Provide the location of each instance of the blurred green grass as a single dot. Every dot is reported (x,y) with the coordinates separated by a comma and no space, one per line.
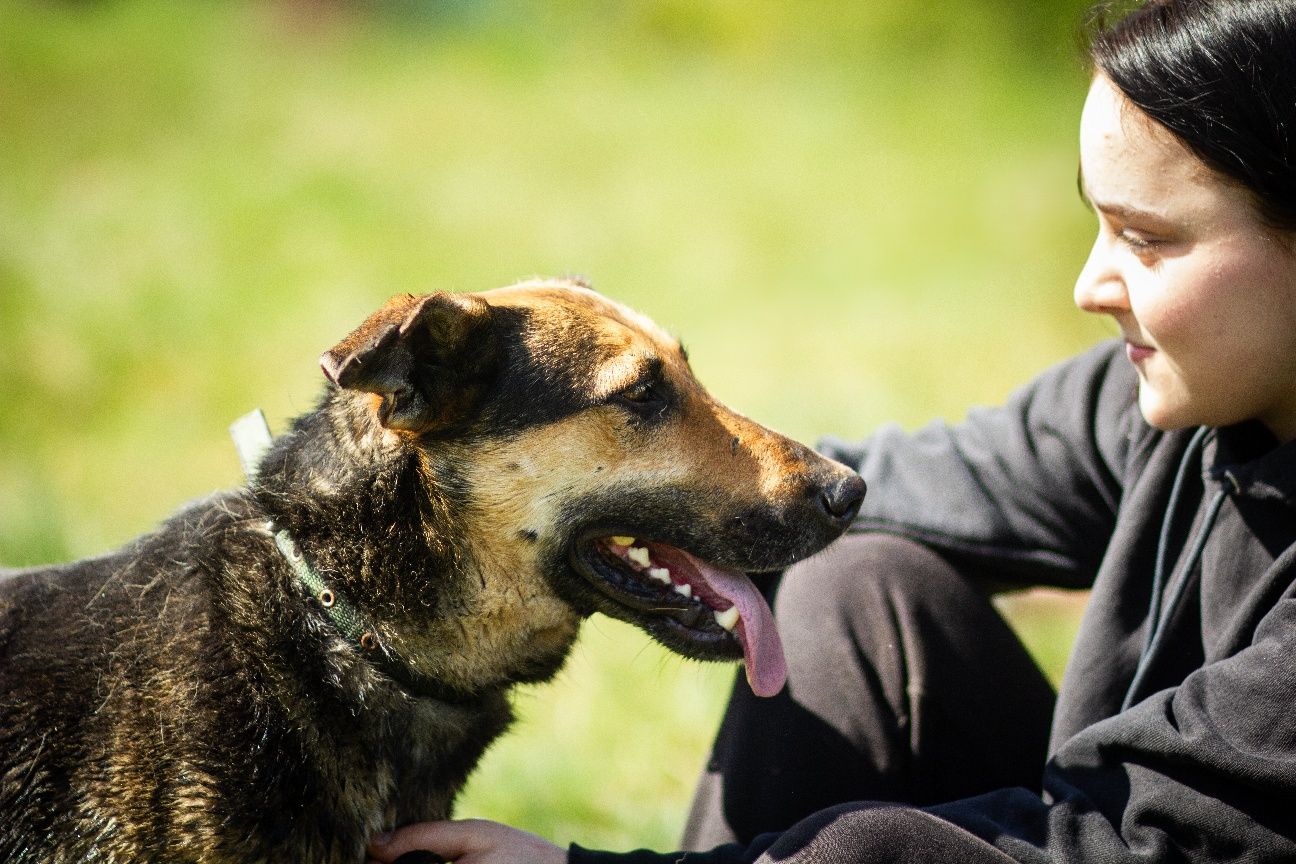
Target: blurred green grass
(852,214)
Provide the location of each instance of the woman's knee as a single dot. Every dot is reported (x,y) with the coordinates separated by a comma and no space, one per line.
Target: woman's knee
(857,632)
(861,581)
(882,633)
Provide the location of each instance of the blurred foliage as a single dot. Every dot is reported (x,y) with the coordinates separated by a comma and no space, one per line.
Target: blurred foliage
(852,213)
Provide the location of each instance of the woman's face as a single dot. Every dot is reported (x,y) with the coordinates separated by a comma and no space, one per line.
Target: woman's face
(1204,295)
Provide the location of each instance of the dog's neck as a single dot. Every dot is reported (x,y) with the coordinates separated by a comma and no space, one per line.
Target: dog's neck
(352,624)
(252,438)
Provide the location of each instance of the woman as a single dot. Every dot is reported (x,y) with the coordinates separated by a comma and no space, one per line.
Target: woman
(1159,470)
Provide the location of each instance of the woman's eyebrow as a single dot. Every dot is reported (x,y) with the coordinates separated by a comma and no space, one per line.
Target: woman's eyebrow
(1115,208)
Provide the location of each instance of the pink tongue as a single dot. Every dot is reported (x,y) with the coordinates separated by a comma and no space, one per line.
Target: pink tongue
(762,648)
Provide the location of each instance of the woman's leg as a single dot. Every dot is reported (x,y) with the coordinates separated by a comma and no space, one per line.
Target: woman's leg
(904,684)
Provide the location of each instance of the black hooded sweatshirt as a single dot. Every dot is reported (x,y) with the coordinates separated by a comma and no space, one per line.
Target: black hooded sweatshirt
(1174,737)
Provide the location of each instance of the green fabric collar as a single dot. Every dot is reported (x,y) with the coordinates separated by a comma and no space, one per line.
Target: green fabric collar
(251,434)
(345,617)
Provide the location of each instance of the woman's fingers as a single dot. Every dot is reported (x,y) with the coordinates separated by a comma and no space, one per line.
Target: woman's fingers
(470,841)
(446,839)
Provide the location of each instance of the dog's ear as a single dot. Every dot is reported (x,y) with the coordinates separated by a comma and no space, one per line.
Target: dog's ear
(427,357)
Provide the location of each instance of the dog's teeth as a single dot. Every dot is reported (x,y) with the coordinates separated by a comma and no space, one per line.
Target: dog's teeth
(684,590)
(661,574)
(623,541)
(639,555)
(727,619)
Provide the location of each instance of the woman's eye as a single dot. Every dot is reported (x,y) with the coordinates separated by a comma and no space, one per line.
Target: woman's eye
(1140,243)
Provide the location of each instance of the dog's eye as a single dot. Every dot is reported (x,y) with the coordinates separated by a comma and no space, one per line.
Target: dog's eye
(644,398)
(640,393)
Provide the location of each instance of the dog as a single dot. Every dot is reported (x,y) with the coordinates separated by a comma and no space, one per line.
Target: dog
(281,671)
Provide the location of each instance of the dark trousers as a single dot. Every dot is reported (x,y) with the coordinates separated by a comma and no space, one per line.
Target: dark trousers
(904,685)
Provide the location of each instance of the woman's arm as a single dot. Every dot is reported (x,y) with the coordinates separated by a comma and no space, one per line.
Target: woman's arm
(1030,489)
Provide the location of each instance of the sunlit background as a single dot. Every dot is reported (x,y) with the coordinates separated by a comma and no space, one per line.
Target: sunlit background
(852,213)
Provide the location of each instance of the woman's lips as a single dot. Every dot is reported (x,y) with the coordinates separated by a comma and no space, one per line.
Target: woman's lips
(1137,352)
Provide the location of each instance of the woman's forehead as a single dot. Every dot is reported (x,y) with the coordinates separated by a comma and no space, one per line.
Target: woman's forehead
(1130,165)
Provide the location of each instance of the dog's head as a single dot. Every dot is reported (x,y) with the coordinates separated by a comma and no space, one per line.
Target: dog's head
(586,469)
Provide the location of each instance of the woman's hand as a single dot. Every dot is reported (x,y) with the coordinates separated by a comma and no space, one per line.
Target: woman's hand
(471,841)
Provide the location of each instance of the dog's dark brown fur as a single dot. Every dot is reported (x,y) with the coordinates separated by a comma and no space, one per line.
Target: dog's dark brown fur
(185,700)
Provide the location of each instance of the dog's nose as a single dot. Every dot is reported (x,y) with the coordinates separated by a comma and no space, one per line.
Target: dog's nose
(841,499)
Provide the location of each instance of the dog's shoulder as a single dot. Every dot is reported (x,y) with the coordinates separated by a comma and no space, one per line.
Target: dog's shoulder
(108,667)
(59,618)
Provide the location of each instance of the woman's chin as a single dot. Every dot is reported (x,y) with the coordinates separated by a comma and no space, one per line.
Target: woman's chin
(1160,412)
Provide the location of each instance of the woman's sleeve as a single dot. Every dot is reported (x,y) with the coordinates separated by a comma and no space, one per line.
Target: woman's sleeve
(1202,772)
(1030,489)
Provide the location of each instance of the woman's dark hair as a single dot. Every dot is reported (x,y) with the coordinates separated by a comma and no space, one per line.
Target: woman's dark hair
(1220,75)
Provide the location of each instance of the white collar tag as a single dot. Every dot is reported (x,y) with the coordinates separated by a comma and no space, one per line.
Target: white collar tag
(251,434)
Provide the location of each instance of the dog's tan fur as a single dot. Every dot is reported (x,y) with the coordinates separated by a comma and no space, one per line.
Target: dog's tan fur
(184,699)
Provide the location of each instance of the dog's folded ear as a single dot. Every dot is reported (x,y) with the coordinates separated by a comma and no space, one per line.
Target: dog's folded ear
(427,357)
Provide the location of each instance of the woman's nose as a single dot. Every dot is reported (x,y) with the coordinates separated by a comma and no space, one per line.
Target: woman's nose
(1100,288)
